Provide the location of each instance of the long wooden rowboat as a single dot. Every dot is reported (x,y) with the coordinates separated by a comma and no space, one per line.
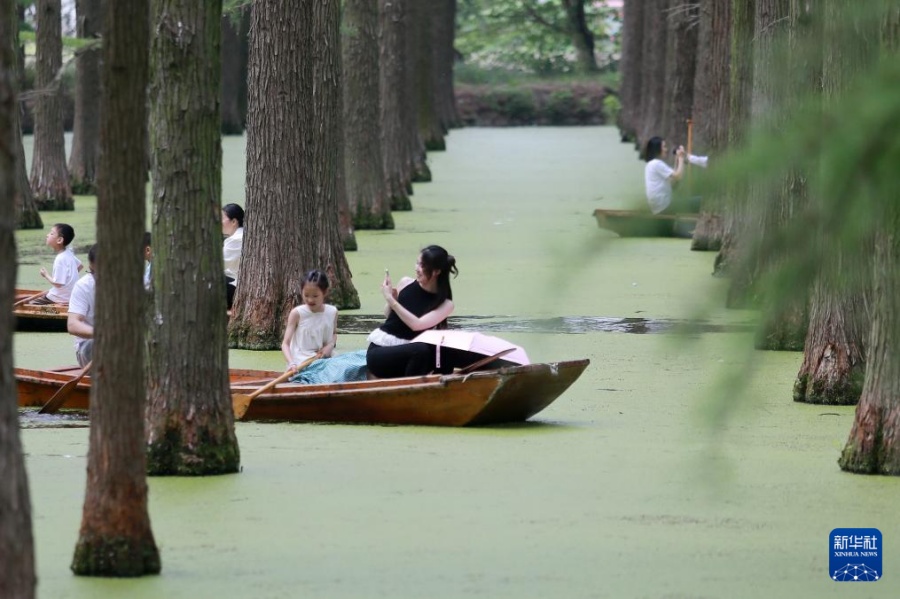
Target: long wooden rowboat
(511,394)
(635,223)
(49,317)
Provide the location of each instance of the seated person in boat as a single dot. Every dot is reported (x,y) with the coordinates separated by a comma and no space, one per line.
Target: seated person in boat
(311,332)
(416,305)
(80,322)
(659,178)
(148,259)
(65,266)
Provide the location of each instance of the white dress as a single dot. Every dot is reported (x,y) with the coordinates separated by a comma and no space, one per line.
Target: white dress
(231,251)
(314,330)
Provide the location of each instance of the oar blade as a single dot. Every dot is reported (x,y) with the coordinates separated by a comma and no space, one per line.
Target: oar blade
(240,403)
(55,403)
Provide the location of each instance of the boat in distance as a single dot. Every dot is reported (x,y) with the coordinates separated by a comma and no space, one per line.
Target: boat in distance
(483,397)
(638,223)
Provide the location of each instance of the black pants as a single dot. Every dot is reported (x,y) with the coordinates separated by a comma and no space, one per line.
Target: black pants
(229,291)
(415,359)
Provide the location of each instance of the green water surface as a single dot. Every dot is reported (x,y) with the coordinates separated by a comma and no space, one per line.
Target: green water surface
(622,488)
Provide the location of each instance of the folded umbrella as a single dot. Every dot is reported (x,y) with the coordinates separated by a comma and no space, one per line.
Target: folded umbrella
(475,342)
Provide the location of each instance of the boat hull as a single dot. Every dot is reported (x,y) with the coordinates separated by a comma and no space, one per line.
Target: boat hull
(485,397)
(633,223)
(41,318)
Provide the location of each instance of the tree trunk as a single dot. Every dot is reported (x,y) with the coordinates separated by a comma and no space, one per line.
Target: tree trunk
(189,415)
(681,57)
(291,47)
(631,69)
(49,177)
(581,36)
(17,568)
(711,109)
(444,24)
(424,76)
(833,366)
(363,164)
(27,215)
(86,127)
(115,537)
(414,142)
(743,31)
(653,78)
(874,443)
(235,32)
(397,169)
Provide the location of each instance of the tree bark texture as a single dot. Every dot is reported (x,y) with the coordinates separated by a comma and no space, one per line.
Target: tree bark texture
(681,58)
(49,177)
(394,100)
(743,30)
(26,210)
(874,443)
(235,33)
(711,109)
(581,36)
(653,77)
(424,76)
(416,17)
(86,126)
(17,568)
(631,68)
(115,537)
(292,213)
(834,356)
(189,415)
(363,164)
(444,33)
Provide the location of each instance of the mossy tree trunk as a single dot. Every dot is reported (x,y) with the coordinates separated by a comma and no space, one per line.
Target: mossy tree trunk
(235,33)
(189,416)
(397,169)
(710,113)
(17,568)
(86,126)
(292,212)
(444,33)
(631,68)
(49,177)
(26,211)
(743,31)
(834,356)
(423,54)
(363,164)
(115,537)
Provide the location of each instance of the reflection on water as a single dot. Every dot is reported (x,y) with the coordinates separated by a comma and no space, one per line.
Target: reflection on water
(364,323)
(29,418)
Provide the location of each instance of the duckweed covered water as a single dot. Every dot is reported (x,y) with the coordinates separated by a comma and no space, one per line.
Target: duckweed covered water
(621,488)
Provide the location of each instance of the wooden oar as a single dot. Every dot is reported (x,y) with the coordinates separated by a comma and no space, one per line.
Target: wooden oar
(487,360)
(59,398)
(240,402)
(29,298)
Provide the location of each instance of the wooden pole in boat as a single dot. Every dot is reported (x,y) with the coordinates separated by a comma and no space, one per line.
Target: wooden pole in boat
(30,298)
(59,398)
(240,402)
(690,143)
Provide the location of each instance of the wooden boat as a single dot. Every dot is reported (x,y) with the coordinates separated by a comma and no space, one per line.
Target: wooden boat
(49,317)
(636,223)
(511,394)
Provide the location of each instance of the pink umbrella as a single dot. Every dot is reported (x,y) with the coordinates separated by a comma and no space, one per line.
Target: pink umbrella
(472,341)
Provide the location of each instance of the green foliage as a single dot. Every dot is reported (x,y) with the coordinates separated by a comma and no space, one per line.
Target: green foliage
(612,107)
(522,36)
(558,103)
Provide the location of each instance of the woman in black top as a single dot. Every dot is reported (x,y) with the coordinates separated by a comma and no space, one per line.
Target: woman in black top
(414,306)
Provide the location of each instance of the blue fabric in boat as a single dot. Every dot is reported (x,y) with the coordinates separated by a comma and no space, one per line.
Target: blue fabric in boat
(343,368)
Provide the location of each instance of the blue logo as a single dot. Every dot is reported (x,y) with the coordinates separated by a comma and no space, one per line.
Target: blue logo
(855,554)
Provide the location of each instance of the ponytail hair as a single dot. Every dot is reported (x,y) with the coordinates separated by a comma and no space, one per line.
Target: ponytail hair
(234,212)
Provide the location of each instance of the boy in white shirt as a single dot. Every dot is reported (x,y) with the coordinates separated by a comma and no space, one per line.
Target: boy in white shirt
(65,266)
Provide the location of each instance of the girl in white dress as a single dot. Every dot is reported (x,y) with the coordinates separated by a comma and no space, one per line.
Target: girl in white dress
(311,326)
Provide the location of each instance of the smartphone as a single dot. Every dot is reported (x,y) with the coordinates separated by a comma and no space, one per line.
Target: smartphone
(387,274)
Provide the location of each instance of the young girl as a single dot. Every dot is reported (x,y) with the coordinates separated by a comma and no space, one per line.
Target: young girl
(311,326)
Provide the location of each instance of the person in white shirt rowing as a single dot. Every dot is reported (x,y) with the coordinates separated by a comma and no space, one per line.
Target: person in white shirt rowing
(659,178)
